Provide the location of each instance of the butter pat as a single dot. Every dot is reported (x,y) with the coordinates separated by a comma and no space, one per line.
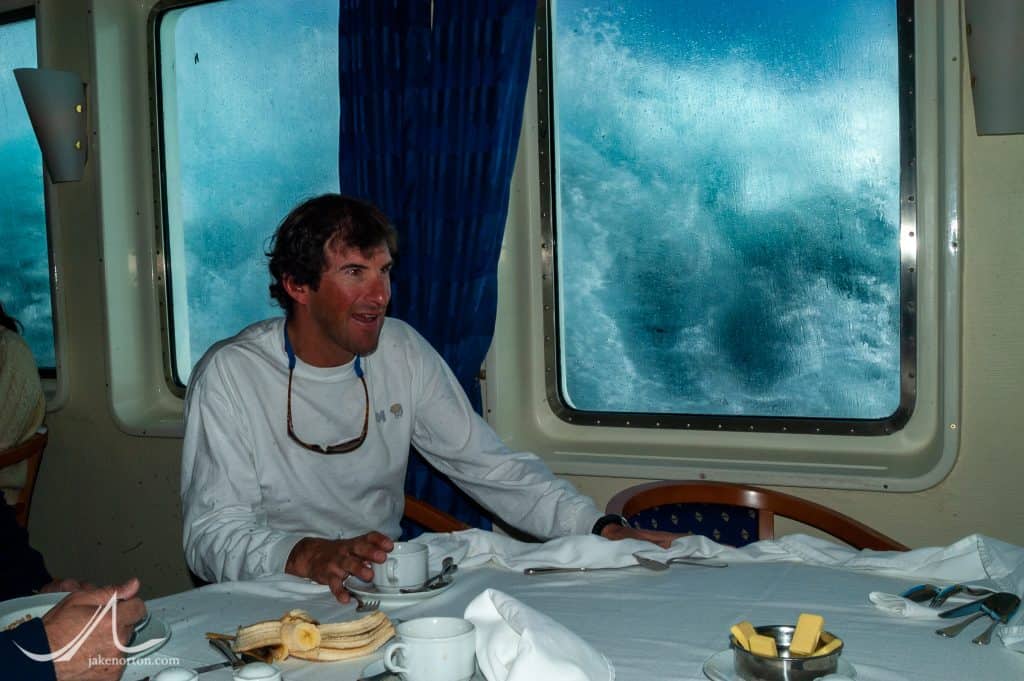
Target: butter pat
(828,647)
(807,634)
(742,633)
(763,645)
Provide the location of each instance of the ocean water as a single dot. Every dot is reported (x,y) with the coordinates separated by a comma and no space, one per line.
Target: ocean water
(728,206)
(256,118)
(727,193)
(24,261)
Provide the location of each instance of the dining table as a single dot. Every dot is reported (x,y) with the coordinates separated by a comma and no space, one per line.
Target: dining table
(651,625)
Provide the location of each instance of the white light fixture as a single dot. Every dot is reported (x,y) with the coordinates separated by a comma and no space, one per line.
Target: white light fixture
(995,47)
(56,106)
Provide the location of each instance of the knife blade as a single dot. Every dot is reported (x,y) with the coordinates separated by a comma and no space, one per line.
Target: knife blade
(199,670)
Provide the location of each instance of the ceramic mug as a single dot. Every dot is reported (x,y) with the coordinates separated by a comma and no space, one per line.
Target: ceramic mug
(433,649)
(405,568)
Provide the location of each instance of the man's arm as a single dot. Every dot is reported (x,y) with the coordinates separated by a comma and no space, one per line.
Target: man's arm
(226,536)
(518,486)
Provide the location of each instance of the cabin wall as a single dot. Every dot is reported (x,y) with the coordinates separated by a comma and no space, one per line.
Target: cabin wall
(107,507)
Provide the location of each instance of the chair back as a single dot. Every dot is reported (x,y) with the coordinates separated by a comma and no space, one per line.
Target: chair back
(736,514)
(31,452)
(431,518)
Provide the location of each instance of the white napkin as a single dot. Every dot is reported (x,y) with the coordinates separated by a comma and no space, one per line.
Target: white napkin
(903,607)
(516,643)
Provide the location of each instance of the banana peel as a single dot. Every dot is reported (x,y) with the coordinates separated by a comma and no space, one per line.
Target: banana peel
(298,634)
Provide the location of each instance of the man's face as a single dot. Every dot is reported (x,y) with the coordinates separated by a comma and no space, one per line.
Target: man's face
(347,310)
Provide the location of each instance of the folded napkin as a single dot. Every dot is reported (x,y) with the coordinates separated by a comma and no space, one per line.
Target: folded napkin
(903,607)
(516,643)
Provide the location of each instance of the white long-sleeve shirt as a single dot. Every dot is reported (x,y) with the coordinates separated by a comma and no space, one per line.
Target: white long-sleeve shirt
(249,493)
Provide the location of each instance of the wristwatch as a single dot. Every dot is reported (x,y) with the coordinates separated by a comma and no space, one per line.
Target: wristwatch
(606,520)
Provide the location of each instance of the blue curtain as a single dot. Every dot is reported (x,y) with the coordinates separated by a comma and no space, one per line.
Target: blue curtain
(432,99)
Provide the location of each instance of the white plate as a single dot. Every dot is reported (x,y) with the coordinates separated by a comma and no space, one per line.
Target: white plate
(367,591)
(40,604)
(377,667)
(719,667)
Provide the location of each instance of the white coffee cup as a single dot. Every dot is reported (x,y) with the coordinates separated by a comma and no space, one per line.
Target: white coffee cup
(405,568)
(433,649)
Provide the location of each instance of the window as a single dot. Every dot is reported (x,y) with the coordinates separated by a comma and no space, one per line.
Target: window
(24,258)
(527,402)
(733,215)
(249,127)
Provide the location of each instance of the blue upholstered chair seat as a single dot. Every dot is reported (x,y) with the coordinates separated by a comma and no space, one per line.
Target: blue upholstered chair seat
(731,525)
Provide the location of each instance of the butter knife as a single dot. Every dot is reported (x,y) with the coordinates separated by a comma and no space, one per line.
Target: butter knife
(550,570)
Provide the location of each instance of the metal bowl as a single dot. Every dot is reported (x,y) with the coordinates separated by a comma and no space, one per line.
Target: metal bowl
(751,667)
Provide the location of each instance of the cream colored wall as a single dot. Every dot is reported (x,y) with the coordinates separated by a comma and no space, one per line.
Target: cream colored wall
(106,504)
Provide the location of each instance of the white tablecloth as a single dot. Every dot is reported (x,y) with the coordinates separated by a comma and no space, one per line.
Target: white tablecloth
(655,625)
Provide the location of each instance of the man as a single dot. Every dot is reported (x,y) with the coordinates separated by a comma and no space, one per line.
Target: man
(297,430)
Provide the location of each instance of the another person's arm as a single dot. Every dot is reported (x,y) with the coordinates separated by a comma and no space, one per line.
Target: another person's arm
(22,570)
(16,664)
(98,658)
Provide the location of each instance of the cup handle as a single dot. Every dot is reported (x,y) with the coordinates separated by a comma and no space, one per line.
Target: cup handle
(391,571)
(389,662)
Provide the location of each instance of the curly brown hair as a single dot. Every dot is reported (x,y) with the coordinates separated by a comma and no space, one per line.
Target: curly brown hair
(331,221)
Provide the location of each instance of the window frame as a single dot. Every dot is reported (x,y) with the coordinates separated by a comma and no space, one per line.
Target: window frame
(165,165)
(915,457)
(554,367)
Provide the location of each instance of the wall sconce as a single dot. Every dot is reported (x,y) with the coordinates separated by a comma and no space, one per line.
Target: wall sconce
(56,106)
(995,47)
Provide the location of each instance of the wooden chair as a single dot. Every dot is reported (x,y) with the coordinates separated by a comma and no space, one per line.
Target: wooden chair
(431,518)
(736,514)
(30,451)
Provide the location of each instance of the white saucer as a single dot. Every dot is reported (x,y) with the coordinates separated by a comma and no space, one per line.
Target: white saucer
(369,591)
(377,667)
(40,604)
(719,667)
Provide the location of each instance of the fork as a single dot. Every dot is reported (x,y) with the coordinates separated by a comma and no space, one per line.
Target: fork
(367,605)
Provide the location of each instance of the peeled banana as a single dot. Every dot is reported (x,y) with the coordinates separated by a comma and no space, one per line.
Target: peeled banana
(298,634)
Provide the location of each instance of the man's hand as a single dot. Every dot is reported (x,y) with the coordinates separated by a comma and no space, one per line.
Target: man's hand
(330,561)
(662,539)
(68,584)
(99,658)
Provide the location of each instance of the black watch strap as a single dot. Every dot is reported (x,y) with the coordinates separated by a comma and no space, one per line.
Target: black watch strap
(606,520)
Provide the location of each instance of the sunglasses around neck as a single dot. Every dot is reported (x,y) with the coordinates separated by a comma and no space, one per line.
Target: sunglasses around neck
(341,447)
